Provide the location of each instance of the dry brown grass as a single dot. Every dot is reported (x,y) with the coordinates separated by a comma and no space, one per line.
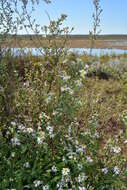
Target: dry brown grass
(75,42)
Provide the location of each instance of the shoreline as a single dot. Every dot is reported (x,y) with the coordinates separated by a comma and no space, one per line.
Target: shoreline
(74,41)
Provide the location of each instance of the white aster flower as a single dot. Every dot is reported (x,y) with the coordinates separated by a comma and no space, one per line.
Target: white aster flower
(46,187)
(86,66)
(50,131)
(66,78)
(116,150)
(39,141)
(65,171)
(54,169)
(29,130)
(104,170)
(81,178)
(59,185)
(80,149)
(21,127)
(96,135)
(37,183)
(15,141)
(65,89)
(13,123)
(116,170)
(82,73)
(26,165)
(43,114)
(89,159)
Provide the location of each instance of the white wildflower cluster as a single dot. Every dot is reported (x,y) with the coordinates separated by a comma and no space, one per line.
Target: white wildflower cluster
(67,89)
(80,167)
(96,135)
(60,185)
(89,159)
(41,137)
(50,131)
(29,130)
(37,183)
(116,149)
(44,115)
(83,73)
(45,187)
(15,141)
(26,165)
(24,129)
(13,123)
(63,183)
(104,170)
(54,169)
(80,149)
(86,66)
(64,76)
(65,171)
(116,170)
(21,127)
(81,178)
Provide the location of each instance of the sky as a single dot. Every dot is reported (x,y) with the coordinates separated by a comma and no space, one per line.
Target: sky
(113,18)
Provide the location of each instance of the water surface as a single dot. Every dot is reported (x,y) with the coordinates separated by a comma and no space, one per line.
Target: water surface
(95,52)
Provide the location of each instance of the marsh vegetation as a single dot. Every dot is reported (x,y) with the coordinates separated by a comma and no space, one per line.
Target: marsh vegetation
(63,118)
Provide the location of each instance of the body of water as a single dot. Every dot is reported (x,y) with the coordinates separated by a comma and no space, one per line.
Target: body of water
(95,52)
(99,52)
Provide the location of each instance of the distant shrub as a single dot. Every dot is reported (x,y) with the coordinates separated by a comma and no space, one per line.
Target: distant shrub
(104,71)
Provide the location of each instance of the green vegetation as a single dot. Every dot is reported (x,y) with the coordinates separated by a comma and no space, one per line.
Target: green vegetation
(63,124)
(63,117)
